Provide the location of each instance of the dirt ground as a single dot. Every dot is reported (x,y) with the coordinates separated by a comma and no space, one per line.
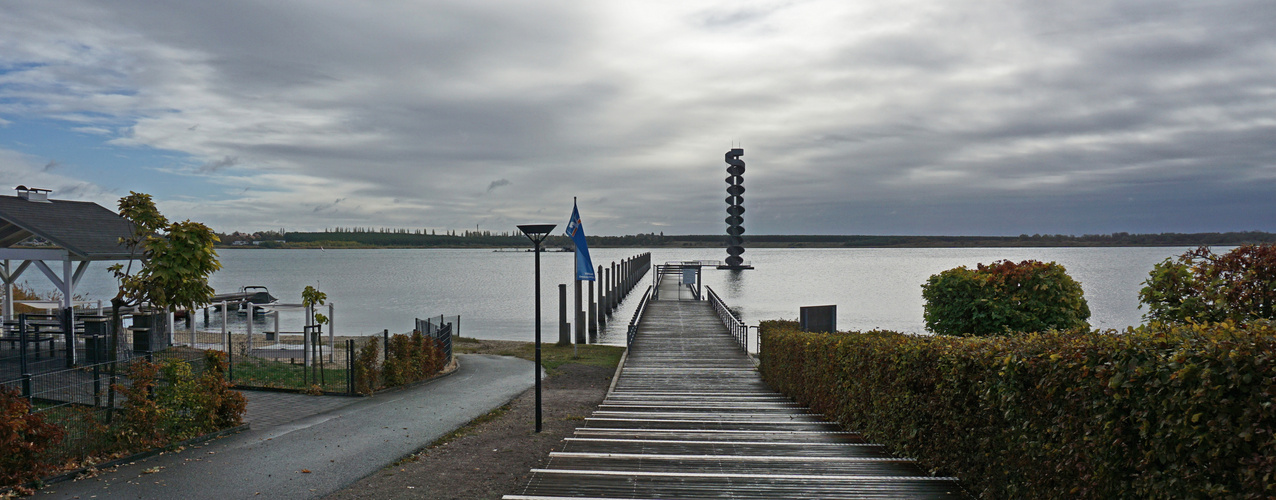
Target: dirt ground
(493,456)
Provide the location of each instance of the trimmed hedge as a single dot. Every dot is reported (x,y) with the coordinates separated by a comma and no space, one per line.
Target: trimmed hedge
(1158,412)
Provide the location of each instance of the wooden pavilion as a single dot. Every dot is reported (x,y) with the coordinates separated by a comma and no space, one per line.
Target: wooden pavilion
(35,230)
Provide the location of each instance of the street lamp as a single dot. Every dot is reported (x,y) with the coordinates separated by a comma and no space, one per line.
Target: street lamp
(537,233)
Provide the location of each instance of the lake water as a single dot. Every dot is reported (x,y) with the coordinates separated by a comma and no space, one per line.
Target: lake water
(492,291)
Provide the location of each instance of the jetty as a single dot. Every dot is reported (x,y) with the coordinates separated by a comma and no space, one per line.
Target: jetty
(690,417)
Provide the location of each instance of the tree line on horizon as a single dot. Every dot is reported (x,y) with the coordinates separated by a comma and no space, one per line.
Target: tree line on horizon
(393,237)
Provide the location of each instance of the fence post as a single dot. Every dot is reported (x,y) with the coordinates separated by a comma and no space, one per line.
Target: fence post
(350,367)
(230,358)
(22,354)
(97,375)
(225,332)
(332,335)
(307,343)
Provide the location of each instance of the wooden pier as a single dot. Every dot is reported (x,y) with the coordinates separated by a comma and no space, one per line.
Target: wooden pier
(689,417)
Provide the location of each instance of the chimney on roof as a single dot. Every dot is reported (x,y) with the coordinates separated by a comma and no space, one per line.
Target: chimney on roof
(36,195)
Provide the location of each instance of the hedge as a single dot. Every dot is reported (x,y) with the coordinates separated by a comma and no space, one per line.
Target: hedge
(1157,412)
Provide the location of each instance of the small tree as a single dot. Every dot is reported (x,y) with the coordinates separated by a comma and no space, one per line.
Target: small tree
(176,260)
(1002,298)
(1201,285)
(311,297)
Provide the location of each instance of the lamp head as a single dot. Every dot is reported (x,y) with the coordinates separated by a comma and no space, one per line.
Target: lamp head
(537,232)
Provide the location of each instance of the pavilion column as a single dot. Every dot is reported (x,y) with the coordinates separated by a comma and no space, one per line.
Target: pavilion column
(7,312)
(68,309)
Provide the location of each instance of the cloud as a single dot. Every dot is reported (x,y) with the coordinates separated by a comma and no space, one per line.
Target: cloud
(990,117)
(214,166)
(328,206)
(18,168)
(497,183)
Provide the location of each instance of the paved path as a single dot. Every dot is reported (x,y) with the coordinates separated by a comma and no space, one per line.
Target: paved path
(691,418)
(337,447)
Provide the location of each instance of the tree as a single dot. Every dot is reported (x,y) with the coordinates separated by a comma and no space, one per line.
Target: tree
(1003,298)
(1203,286)
(175,262)
(311,297)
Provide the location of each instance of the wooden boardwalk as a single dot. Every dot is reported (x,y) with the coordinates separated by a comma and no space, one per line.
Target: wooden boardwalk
(690,417)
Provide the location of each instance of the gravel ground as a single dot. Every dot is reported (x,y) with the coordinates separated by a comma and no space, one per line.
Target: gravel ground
(494,455)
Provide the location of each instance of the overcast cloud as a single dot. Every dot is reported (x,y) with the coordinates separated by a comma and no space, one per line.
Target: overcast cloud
(907,117)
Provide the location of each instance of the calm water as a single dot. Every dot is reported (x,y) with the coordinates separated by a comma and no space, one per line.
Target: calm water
(492,291)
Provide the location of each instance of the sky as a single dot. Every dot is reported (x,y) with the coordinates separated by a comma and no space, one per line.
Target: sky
(911,117)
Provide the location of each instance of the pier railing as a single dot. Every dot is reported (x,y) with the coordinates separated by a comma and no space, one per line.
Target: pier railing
(738,329)
(633,323)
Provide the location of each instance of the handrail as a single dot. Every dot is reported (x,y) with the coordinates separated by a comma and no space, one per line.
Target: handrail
(633,323)
(737,328)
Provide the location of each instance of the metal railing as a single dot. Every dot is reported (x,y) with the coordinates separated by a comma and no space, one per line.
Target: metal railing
(737,328)
(441,329)
(633,323)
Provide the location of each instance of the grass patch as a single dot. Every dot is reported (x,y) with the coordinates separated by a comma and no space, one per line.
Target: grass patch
(552,355)
(258,372)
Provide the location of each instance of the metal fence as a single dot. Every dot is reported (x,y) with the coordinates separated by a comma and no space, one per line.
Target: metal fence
(82,400)
(441,328)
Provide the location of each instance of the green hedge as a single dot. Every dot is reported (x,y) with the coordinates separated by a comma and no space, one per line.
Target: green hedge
(1158,412)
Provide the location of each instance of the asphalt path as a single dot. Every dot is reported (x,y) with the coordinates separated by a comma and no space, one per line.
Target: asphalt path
(314,456)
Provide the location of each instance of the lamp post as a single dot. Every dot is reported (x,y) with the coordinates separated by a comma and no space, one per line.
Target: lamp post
(537,233)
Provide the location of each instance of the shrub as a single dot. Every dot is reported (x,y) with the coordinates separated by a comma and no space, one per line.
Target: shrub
(142,421)
(182,406)
(411,358)
(366,371)
(1203,286)
(1158,412)
(1002,298)
(24,438)
(226,406)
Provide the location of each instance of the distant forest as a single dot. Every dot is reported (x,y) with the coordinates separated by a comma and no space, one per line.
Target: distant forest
(402,238)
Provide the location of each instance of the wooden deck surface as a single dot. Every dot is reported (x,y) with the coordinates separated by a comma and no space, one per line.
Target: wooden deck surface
(690,418)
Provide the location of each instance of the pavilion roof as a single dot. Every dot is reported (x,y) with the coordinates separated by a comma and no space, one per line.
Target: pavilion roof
(85,229)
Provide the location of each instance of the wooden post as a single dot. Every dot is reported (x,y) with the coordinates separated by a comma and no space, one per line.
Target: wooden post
(564,328)
(602,294)
(593,311)
(250,327)
(332,334)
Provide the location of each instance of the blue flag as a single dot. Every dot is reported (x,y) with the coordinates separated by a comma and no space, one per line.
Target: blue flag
(576,230)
